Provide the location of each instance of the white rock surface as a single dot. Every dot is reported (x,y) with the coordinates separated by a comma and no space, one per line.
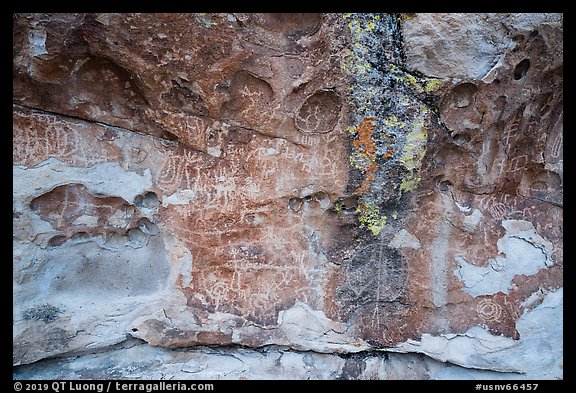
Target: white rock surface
(463,46)
(134,360)
(538,353)
(520,251)
(405,239)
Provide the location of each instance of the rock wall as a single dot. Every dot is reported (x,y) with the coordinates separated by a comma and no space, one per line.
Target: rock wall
(314,196)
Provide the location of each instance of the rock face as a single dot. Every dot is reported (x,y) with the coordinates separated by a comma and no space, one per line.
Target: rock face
(385,191)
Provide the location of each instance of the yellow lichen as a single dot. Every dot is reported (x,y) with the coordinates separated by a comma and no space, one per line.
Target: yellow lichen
(422,85)
(409,183)
(355,64)
(432,85)
(370,217)
(404,17)
(370,26)
(412,81)
(415,147)
(413,153)
(392,121)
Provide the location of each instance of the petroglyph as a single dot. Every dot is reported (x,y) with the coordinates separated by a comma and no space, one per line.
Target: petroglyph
(37,137)
(246,285)
(489,311)
(32,145)
(319,113)
(556,147)
(65,204)
(183,168)
(250,100)
(376,273)
(188,129)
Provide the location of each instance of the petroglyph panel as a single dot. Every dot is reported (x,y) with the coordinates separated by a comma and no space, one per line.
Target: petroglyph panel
(251,279)
(37,137)
(187,180)
(255,291)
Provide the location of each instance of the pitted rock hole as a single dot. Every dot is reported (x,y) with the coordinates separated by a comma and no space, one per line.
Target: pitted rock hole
(183,97)
(521,69)
(318,200)
(148,200)
(347,204)
(461,139)
(136,238)
(147,226)
(291,25)
(319,113)
(57,241)
(295,204)
(463,94)
(250,100)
